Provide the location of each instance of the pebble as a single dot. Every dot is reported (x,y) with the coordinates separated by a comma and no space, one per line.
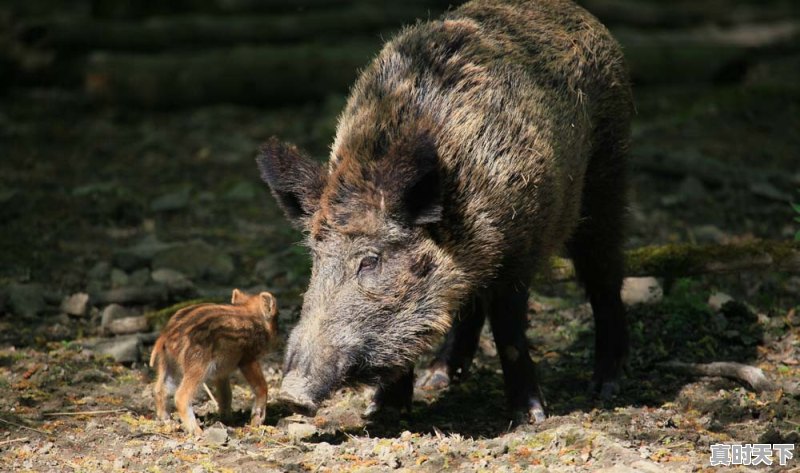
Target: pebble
(709,234)
(100,271)
(140,254)
(139,278)
(124,349)
(196,259)
(215,435)
(717,300)
(174,200)
(75,304)
(26,299)
(174,280)
(241,192)
(119,278)
(646,290)
(298,430)
(128,325)
(113,312)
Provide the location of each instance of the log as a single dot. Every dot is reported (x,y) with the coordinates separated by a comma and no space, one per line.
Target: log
(131,295)
(750,376)
(704,54)
(679,260)
(677,14)
(245,75)
(126,9)
(196,32)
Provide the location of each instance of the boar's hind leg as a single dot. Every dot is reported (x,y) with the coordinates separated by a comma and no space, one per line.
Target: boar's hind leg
(397,394)
(596,251)
(508,316)
(454,358)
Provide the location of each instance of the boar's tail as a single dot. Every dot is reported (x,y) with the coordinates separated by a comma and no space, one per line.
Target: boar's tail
(157,349)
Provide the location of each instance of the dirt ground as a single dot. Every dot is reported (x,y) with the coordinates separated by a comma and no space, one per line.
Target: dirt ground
(98,199)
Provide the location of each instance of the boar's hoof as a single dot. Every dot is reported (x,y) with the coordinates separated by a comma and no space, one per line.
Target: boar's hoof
(533,415)
(605,391)
(377,411)
(434,379)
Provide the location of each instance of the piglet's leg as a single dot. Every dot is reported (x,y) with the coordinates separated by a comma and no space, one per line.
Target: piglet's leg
(192,377)
(223,387)
(160,390)
(253,374)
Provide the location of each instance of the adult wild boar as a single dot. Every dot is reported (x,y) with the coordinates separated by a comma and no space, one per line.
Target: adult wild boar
(471,149)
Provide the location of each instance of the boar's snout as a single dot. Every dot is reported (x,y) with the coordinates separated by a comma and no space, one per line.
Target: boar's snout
(296,392)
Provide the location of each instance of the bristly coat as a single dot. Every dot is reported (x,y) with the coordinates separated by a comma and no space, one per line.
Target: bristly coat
(470,150)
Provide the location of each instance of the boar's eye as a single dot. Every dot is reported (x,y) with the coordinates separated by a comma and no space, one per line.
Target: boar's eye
(368,263)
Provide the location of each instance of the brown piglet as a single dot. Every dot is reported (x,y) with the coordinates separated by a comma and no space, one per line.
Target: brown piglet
(208,342)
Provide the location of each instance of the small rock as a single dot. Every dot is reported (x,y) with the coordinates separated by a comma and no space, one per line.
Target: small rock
(268,269)
(174,280)
(120,463)
(91,375)
(128,325)
(241,192)
(692,190)
(113,312)
(119,278)
(299,430)
(768,191)
(709,234)
(139,278)
(140,254)
(174,200)
(124,349)
(215,435)
(100,271)
(75,304)
(717,300)
(26,300)
(645,290)
(196,259)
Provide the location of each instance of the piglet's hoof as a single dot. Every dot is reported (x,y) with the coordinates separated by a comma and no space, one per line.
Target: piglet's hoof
(433,379)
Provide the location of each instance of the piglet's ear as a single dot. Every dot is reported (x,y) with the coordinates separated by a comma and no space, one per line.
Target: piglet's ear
(295,180)
(269,305)
(238,297)
(413,181)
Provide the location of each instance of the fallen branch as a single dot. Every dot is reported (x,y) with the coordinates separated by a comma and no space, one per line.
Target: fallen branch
(6,442)
(213,399)
(84,413)
(748,375)
(42,432)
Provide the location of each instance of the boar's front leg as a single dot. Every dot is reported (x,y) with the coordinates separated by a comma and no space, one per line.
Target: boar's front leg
(508,316)
(454,358)
(397,394)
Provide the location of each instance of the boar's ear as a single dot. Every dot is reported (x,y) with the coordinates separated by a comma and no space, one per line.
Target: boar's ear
(295,179)
(417,182)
